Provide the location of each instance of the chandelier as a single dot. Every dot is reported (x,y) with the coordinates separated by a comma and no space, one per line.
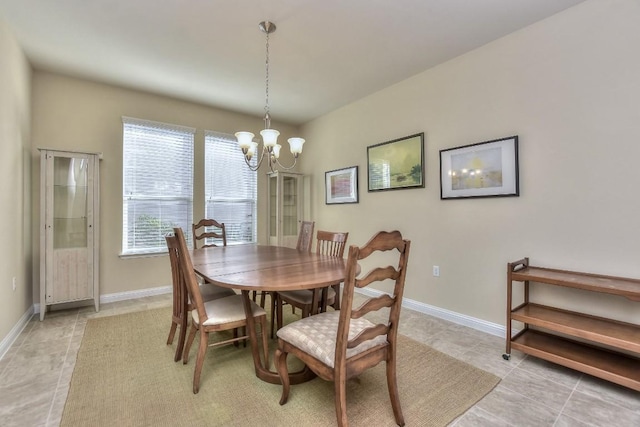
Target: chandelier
(270,147)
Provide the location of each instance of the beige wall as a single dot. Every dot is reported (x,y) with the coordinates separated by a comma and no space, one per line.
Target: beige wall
(569,86)
(75,114)
(15,208)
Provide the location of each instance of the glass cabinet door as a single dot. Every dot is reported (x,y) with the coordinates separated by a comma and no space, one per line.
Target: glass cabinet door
(290,206)
(273,209)
(285,208)
(69,202)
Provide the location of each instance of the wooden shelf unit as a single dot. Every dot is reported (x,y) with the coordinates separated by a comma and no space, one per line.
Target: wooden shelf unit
(605,348)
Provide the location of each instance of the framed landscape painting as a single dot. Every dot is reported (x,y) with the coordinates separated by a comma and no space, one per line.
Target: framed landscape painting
(396,164)
(341,186)
(485,169)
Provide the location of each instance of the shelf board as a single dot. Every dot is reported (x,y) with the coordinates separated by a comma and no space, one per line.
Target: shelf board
(629,288)
(596,329)
(615,367)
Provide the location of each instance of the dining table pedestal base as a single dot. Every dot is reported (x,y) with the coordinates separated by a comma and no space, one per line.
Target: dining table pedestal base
(262,367)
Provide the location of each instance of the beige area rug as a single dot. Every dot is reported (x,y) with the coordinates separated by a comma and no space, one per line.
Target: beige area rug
(125,376)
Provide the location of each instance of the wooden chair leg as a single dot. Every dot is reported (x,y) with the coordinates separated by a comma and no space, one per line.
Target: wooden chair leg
(263,296)
(181,337)
(274,297)
(202,351)
(281,366)
(280,314)
(340,387)
(172,332)
(336,301)
(392,385)
(187,347)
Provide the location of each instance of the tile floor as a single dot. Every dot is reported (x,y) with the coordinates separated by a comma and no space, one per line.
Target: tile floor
(35,374)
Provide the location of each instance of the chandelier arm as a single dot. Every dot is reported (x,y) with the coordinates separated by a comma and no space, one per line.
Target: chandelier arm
(257,166)
(295,160)
(253,168)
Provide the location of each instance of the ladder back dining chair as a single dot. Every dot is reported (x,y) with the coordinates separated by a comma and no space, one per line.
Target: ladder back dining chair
(339,345)
(305,239)
(210,232)
(305,236)
(327,243)
(214,316)
(181,305)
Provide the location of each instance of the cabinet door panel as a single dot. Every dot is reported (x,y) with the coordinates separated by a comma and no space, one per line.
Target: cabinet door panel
(70,276)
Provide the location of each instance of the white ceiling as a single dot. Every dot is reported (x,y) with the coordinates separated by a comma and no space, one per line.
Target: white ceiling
(324,54)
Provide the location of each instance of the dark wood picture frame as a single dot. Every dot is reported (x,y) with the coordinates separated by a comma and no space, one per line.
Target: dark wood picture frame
(396,164)
(341,186)
(484,169)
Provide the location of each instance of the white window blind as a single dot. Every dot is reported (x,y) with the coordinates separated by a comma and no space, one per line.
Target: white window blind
(157,184)
(230,188)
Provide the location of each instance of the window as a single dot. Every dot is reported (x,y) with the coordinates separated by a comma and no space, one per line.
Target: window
(230,188)
(157,184)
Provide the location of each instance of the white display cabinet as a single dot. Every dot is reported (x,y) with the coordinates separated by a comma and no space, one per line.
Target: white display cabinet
(69,227)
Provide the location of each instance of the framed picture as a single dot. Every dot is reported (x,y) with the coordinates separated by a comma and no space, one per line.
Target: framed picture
(341,186)
(485,169)
(396,164)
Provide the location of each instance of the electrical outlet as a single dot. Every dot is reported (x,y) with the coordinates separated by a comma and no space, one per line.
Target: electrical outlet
(14,283)
(436,271)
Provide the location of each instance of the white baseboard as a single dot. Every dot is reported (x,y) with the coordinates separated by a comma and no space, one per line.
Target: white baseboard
(123,296)
(451,316)
(6,343)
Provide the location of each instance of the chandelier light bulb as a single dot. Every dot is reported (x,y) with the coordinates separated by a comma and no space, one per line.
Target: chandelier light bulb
(295,145)
(253,147)
(276,150)
(244,139)
(269,137)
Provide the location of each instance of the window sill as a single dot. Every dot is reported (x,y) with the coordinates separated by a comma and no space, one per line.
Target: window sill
(143,255)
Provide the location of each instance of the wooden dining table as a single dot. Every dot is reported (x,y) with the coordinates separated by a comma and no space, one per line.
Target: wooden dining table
(261,268)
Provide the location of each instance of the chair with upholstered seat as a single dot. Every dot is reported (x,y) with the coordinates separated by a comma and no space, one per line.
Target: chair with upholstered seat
(210,232)
(305,239)
(181,304)
(339,345)
(305,236)
(327,243)
(214,316)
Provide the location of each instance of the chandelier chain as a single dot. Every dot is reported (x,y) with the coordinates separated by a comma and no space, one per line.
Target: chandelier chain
(266,65)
